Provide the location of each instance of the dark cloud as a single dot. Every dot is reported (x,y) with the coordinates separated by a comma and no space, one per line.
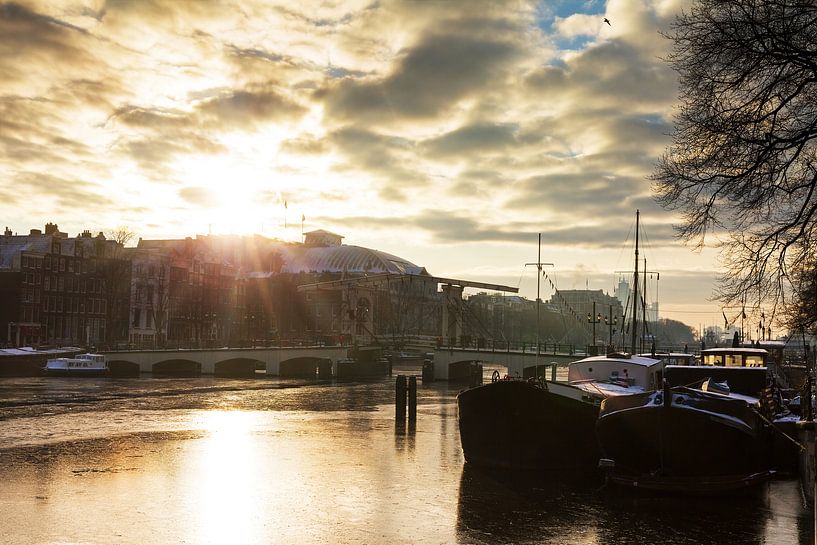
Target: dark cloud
(584,195)
(446,227)
(429,78)
(606,74)
(153,153)
(389,158)
(245,109)
(474,138)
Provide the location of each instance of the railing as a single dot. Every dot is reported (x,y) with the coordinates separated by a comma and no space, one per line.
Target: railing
(213,345)
(491,345)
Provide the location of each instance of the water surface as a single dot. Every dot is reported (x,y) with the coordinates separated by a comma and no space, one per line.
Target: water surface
(198,461)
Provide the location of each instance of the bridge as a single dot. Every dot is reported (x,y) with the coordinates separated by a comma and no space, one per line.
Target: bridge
(456,363)
(234,362)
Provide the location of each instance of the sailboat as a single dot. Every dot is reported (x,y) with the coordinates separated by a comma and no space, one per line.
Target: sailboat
(548,425)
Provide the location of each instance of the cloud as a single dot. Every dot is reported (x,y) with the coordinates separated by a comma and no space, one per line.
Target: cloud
(198,196)
(428,78)
(69,194)
(476,122)
(474,138)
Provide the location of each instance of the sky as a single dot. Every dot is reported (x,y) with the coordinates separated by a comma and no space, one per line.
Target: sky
(448,133)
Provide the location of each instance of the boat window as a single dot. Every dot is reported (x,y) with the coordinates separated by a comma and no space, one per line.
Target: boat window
(712,359)
(754,361)
(734,360)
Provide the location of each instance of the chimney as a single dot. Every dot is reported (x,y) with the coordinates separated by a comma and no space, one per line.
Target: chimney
(51,228)
(35,233)
(7,232)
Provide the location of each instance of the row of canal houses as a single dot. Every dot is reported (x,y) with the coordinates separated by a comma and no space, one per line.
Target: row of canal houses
(206,291)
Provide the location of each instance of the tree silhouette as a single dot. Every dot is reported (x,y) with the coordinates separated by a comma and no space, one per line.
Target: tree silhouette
(743,162)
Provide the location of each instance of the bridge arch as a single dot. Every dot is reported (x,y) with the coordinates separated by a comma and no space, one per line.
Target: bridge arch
(176,368)
(304,367)
(237,367)
(123,368)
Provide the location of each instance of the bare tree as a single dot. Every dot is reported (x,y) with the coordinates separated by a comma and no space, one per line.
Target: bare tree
(743,163)
(122,234)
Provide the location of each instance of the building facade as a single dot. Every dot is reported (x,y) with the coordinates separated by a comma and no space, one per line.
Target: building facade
(61,290)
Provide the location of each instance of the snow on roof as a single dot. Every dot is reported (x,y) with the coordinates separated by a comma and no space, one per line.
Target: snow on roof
(635,360)
(731,350)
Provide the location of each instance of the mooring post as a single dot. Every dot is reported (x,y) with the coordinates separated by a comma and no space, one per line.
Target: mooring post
(412,398)
(428,371)
(400,398)
(553,372)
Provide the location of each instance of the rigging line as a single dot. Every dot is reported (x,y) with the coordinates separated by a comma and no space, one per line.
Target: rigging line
(519,282)
(625,244)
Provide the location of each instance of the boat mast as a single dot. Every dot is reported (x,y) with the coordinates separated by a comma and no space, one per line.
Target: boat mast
(539,265)
(538,298)
(635,288)
(644,308)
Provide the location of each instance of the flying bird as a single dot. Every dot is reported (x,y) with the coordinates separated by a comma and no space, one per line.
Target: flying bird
(606,20)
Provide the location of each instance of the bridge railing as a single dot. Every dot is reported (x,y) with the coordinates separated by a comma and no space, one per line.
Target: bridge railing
(495,345)
(205,345)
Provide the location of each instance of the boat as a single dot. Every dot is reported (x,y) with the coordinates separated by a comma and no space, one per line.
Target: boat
(83,365)
(706,430)
(534,424)
(537,424)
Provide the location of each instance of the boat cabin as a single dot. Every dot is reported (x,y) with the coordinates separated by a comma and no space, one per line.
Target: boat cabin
(734,357)
(618,368)
(96,360)
(673,358)
(82,362)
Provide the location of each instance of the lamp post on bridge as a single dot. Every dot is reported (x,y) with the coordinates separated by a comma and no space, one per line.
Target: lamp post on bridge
(594,319)
(610,320)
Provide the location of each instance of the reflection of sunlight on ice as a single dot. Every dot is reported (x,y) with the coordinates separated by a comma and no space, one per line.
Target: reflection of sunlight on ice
(224,483)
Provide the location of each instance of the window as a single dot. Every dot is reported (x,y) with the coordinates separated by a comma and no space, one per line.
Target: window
(137,317)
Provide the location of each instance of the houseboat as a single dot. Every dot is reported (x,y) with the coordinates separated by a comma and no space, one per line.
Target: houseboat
(706,430)
(543,425)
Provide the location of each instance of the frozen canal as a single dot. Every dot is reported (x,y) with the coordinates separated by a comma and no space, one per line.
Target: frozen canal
(195,461)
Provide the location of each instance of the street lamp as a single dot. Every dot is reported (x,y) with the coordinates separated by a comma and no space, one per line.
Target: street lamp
(594,319)
(610,320)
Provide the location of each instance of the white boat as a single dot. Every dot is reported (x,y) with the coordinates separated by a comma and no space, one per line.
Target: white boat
(81,365)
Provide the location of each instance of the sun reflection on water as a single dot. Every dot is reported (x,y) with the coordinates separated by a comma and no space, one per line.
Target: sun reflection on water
(223,481)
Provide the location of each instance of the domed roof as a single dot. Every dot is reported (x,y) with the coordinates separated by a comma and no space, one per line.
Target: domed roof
(344,258)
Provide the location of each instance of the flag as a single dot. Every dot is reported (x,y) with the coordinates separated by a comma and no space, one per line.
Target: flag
(285,204)
(303,218)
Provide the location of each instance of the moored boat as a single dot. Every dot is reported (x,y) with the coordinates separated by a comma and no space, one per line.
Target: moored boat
(544,425)
(708,438)
(81,365)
